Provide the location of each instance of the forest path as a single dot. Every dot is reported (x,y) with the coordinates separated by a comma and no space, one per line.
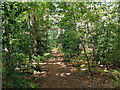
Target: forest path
(58,74)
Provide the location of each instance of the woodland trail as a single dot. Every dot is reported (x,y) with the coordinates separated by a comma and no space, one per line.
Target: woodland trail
(58,74)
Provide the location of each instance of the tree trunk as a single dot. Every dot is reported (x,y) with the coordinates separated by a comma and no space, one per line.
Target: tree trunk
(83,45)
(33,30)
(30,57)
(47,27)
(87,59)
(81,40)
(58,36)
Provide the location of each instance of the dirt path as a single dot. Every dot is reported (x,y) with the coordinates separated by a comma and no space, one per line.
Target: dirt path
(57,74)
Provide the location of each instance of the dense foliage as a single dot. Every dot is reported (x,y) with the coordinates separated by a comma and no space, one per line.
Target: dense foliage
(81,30)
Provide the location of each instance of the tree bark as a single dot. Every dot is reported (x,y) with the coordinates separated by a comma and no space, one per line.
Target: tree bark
(58,36)
(47,27)
(33,30)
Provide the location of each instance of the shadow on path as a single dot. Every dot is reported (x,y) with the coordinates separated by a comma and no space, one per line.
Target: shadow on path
(57,74)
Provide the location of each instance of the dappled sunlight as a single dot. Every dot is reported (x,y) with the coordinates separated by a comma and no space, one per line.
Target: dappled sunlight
(105,70)
(62,74)
(67,73)
(58,70)
(60,45)
(84,69)
(81,60)
(59,58)
(39,63)
(82,65)
(34,63)
(42,63)
(101,65)
(17,68)
(36,73)
(73,69)
(56,74)
(63,66)
(54,50)
(57,63)
(43,73)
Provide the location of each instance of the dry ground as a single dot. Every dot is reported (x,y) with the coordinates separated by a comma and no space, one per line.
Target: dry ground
(57,74)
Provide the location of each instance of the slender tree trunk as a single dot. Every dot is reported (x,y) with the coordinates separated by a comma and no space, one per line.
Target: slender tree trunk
(29,31)
(33,30)
(28,16)
(84,48)
(47,28)
(93,51)
(81,40)
(87,58)
(93,47)
(119,29)
(58,36)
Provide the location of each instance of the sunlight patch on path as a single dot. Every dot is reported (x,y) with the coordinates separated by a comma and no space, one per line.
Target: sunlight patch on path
(57,63)
(62,74)
(73,69)
(43,73)
(42,63)
(84,69)
(39,63)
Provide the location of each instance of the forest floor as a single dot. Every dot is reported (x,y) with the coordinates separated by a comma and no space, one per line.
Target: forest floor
(58,74)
